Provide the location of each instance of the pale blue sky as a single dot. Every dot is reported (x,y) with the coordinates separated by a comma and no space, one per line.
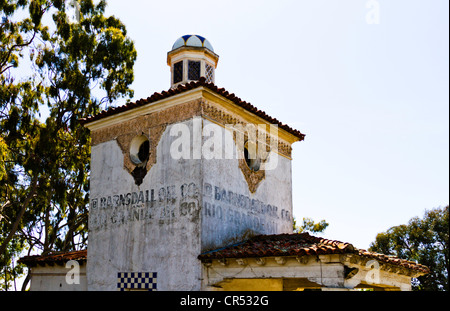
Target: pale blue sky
(372,99)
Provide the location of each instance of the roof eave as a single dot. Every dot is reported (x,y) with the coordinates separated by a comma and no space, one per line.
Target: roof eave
(186,88)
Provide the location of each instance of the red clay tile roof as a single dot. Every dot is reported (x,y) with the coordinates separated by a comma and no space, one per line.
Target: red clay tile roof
(187,87)
(395,261)
(299,245)
(54,258)
(260,246)
(280,245)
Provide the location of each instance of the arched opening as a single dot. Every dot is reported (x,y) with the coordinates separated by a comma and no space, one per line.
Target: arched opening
(140,150)
(251,156)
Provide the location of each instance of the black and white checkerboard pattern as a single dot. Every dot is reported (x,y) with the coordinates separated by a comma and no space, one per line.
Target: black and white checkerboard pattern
(136,281)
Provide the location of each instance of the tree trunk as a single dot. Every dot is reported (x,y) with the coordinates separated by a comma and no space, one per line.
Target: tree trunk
(16,223)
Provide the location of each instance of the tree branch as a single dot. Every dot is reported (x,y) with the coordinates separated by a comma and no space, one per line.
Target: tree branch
(5,59)
(25,204)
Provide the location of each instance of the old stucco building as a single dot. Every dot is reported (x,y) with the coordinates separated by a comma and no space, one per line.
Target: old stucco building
(191,189)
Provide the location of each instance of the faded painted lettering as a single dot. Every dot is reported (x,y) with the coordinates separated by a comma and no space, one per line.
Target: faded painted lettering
(168,204)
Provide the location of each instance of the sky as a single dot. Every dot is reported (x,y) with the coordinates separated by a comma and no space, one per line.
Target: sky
(371,96)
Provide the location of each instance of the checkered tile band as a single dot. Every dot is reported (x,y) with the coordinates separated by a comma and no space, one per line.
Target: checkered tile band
(136,280)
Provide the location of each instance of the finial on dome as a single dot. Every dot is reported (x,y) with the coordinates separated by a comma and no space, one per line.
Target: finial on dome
(192,57)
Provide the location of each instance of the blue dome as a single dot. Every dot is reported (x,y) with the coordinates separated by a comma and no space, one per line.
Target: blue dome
(192,40)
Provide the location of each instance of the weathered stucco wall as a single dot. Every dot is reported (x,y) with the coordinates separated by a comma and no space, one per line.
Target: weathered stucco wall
(324,272)
(154,227)
(231,212)
(55,278)
(182,208)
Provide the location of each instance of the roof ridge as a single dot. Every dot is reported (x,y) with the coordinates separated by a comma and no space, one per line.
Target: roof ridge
(393,258)
(58,257)
(187,87)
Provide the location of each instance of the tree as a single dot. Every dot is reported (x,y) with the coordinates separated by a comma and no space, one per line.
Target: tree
(71,69)
(423,240)
(308,225)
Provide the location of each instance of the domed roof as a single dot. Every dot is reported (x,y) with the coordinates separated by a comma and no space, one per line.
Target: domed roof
(192,40)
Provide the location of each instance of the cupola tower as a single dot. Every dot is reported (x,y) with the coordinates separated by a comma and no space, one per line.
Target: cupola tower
(191,57)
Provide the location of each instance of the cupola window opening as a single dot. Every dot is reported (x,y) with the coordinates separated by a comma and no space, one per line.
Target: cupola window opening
(193,70)
(192,57)
(178,72)
(209,73)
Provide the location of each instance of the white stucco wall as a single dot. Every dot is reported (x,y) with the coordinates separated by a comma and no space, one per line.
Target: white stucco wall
(176,213)
(58,278)
(231,213)
(153,230)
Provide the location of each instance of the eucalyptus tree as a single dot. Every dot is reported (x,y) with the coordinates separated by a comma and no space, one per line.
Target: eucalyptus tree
(60,61)
(425,240)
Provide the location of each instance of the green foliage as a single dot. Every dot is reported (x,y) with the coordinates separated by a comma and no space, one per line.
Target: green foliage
(69,70)
(423,240)
(3,157)
(308,225)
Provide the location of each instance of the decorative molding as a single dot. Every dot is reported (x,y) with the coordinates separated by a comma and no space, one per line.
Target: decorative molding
(154,135)
(151,125)
(303,260)
(280,260)
(154,124)
(252,178)
(260,261)
(225,118)
(142,123)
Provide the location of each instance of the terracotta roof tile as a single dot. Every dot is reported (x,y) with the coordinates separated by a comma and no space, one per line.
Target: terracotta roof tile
(396,261)
(187,87)
(260,246)
(300,245)
(59,258)
(280,245)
